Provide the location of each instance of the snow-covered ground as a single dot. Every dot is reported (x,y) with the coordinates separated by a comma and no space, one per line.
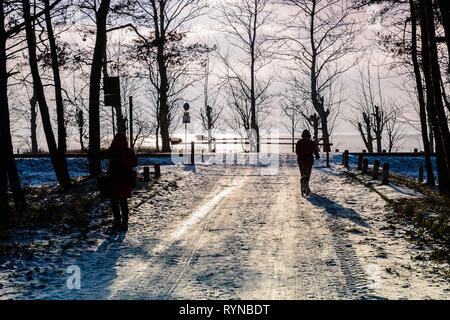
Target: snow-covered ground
(39,171)
(232,231)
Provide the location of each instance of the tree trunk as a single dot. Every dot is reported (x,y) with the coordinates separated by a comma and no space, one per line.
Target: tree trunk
(325,133)
(33,124)
(317,101)
(430,135)
(423,116)
(379,118)
(434,96)
(160,40)
(254,124)
(163,103)
(7,162)
(80,123)
(94,89)
(62,135)
(4,118)
(157,136)
(59,162)
(367,140)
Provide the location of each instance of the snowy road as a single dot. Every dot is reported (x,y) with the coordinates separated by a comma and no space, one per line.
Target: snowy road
(232,232)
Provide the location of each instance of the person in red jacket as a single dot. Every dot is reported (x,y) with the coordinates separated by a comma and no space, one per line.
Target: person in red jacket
(306,149)
(120,170)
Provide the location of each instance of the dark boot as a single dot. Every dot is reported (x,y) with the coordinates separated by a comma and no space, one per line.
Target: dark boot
(116,213)
(125,211)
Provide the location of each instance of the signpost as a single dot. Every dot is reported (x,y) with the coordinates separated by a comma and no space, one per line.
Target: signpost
(186,120)
(111,88)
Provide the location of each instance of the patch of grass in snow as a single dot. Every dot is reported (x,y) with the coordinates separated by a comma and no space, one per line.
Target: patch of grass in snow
(431,219)
(53,209)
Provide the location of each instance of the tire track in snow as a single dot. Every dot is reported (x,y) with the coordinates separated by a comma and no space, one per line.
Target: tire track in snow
(190,232)
(356,283)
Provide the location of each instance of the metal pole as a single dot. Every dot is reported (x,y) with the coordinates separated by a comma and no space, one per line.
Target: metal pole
(131,122)
(185,138)
(113,121)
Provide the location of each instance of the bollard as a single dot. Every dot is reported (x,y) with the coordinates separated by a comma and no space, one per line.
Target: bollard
(360,162)
(385,173)
(420,174)
(157,170)
(364,151)
(146,173)
(416,150)
(376,168)
(203,160)
(365,166)
(384,150)
(192,152)
(343,158)
(328,158)
(235,161)
(346,158)
(337,150)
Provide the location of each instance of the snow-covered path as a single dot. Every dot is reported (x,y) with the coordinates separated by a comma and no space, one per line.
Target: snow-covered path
(232,232)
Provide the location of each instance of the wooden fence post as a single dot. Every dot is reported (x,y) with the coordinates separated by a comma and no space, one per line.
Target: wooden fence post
(376,168)
(146,173)
(157,170)
(192,152)
(328,158)
(345,158)
(360,162)
(365,166)
(420,174)
(385,173)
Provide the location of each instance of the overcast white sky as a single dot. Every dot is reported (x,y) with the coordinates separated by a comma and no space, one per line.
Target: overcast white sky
(203,29)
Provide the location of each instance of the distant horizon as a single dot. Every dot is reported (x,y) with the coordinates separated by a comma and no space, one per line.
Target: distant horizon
(342,141)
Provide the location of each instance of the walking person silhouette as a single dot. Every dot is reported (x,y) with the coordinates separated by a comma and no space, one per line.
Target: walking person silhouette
(120,171)
(306,149)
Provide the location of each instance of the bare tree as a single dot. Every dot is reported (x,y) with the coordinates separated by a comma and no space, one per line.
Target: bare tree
(372,109)
(101,13)
(290,112)
(427,143)
(58,159)
(210,116)
(319,35)
(245,22)
(435,107)
(403,44)
(62,134)
(8,169)
(394,131)
(166,18)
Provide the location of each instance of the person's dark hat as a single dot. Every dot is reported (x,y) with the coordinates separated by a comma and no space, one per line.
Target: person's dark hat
(306,134)
(119,141)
